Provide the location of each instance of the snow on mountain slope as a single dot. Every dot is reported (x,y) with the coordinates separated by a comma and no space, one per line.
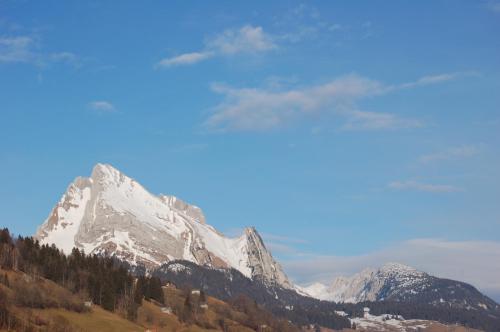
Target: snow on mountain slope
(366,285)
(401,283)
(112,214)
(69,213)
(396,323)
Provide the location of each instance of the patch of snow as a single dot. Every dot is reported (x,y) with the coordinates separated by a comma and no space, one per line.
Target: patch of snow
(233,251)
(177,267)
(70,212)
(388,322)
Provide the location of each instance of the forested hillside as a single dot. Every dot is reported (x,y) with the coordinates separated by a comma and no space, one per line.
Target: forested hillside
(303,310)
(41,289)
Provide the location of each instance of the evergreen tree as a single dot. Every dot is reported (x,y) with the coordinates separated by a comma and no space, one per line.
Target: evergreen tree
(139,290)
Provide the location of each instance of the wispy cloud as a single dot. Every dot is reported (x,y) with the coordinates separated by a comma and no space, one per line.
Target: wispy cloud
(102,106)
(246,109)
(419,186)
(362,120)
(434,79)
(66,57)
(245,40)
(17,49)
(278,244)
(248,39)
(27,49)
(279,238)
(280,248)
(459,152)
(494,6)
(469,261)
(302,23)
(185,59)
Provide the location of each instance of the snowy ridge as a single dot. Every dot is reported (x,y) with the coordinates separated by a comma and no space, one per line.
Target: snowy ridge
(368,285)
(112,214)
(400,283)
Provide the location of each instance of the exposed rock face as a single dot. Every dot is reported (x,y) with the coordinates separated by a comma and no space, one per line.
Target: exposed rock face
(112,214)
(261,261)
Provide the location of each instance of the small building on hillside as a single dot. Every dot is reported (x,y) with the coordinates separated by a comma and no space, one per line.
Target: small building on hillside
(166,310)
(195,292)
(366,312)
(87,304)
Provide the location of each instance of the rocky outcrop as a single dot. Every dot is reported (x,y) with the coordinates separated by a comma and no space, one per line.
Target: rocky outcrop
(262,262)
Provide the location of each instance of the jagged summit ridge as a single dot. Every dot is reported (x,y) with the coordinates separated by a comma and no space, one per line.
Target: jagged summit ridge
(112,214)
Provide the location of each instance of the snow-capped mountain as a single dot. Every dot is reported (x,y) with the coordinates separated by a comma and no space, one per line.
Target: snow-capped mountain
(401,283)
(366,285)
(112,214)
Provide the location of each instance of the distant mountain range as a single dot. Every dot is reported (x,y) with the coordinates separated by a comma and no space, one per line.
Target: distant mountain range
(111,214)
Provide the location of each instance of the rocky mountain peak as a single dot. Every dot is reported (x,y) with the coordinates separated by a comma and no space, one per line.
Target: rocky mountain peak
(112,214)
(261,260)
(105,171)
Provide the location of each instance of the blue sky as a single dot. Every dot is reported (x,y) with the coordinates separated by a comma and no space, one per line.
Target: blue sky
(348,133)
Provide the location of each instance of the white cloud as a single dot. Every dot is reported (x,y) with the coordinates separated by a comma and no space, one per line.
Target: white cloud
(464,151)
(267,108)
(16,49)
(360,120)
(66,57)
(185,59)
(474,262)
(435,79)
(26,49)
(246,40)
(426,80)
(102,106)
(303,23)
(419,186)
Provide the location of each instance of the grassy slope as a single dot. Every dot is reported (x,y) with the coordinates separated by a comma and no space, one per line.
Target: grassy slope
(149,317)
(96,320)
